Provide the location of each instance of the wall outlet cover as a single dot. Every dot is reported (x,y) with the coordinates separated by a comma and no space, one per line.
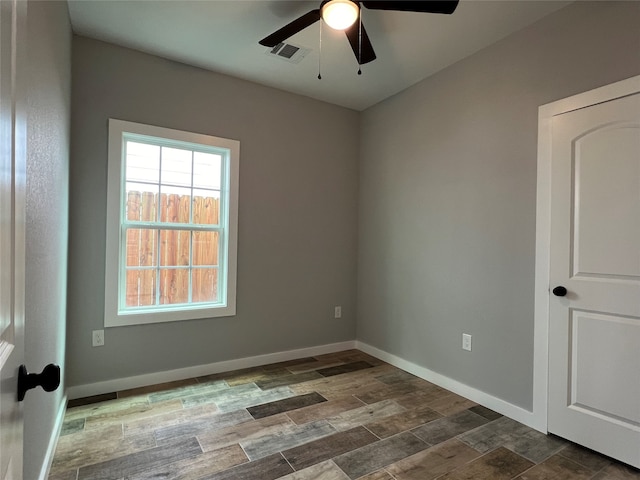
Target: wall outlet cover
(98,338)
(466,342)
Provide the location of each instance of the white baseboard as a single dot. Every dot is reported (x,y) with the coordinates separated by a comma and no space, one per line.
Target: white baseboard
(505,408)
(53,440)
(501,406)
(98,388)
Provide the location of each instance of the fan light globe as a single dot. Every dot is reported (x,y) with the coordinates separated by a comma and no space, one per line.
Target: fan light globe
(340,14)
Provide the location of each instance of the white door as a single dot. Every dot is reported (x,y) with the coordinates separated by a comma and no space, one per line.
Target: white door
(12,219)
(594,331)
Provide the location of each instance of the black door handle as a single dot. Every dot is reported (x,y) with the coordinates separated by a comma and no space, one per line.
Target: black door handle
(48,379)
(559,291)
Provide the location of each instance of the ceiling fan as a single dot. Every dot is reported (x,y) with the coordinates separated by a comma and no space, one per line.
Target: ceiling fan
(344,15)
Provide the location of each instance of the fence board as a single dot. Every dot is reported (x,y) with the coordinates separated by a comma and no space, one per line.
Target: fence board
(133,251)
(149,248)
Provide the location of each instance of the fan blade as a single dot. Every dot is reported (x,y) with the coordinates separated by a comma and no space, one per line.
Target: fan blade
(425,6)
(291,29)
(364,54)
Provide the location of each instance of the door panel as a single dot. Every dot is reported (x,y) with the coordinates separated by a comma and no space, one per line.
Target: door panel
(601,344)
(12,222)
(594,331)
(606,224)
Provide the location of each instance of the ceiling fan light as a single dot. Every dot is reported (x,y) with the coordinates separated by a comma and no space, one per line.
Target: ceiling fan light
(340,14)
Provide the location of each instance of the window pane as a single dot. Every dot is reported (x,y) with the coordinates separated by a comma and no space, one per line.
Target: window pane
(143,162)
(174,285)
(174,247)
(142,247)
(204,285)
(206,207)
(176,166)
(141,202)
(205,248)
(206,170)
(140,287)
(175,205)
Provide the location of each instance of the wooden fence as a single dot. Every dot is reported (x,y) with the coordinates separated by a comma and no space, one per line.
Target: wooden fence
(160,262)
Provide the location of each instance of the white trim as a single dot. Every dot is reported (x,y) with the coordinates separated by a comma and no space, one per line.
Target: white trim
(505,408)
(53,440)
(80,391)
(114,316)
(543,230)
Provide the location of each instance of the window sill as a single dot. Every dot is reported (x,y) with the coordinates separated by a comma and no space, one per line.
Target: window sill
(182,314)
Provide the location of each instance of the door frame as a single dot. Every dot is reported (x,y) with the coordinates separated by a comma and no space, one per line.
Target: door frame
(546,113)
(12,353)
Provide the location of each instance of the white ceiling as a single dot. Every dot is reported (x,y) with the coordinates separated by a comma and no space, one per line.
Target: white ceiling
(223,36)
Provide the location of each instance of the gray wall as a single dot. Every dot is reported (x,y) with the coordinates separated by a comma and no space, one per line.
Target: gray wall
(448,196)
(48,126)
(297,213)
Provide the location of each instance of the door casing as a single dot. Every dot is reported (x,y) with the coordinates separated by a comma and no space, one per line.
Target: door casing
(13,133)
(543,231)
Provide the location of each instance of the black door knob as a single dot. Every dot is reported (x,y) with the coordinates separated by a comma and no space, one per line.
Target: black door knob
(48,379)
(559,291)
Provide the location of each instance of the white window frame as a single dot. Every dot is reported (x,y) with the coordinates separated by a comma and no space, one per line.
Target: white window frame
(115,314)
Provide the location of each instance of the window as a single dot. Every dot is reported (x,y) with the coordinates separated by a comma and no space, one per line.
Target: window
(171,225)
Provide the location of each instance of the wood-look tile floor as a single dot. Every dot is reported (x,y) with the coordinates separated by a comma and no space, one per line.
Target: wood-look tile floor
(339,416)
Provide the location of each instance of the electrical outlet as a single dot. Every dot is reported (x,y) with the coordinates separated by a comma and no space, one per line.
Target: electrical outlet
(98,338)
(337,312)
(466,342)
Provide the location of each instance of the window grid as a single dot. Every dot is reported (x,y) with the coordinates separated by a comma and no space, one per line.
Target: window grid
(158,266)
(158,225)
